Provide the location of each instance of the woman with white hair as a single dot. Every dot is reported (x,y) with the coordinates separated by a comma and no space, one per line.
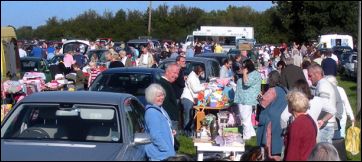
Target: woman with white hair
(324,151)
(158,125)
(347,110)
(302,132)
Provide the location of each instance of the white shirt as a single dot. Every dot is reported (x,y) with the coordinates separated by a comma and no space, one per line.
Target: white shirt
(192,87)
(145,59)
(317,105)
(346,105)
(326,90)
(22,53)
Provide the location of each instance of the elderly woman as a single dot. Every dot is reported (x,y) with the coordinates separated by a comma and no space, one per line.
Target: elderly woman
(247,90)
(324,151)
(158,125)
(269,128)
(302,132)
(127,61)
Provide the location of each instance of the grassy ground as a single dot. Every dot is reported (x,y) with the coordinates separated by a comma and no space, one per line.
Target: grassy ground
(349,86)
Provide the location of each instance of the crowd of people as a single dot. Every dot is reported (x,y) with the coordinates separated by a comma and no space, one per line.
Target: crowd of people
(302,108)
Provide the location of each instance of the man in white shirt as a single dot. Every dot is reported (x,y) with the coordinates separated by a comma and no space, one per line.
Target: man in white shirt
(324,89)
(22,52)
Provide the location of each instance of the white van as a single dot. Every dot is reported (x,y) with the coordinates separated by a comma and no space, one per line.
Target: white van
(331,40)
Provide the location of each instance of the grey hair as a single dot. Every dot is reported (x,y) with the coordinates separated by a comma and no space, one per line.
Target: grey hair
(151,92)
(324,151)
(332,79)
(289,60)
(316,68)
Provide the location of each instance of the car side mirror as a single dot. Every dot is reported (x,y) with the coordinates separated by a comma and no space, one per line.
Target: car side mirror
(141,139)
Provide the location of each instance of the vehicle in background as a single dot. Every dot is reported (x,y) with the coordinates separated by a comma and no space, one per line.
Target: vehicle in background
(331,40)
(35,64)
(73,45)
(339,50)
(226,36)
(132,80)
(220,57)
(72,126)
(349,65)
(233,52)
(211,66)
(101,54)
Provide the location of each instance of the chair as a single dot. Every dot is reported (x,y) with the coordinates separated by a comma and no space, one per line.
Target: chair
(102,131)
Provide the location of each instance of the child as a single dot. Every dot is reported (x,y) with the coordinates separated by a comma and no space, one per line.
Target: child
(80,78)
(93,72)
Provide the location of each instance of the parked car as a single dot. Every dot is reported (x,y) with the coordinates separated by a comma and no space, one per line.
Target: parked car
(79,125)
(137,43)
(73,45)
(101,54)
(132,80)
(233,52)
(211,66)
(35,64)
(220,57)
(349,65)
(339,50)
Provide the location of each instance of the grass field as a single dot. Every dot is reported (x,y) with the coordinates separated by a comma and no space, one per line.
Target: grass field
(349,86)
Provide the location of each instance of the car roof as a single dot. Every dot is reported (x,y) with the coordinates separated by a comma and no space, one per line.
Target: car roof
(140,40)
(195,59)
(133,70)
(212,55)
(85,97)
(98,50)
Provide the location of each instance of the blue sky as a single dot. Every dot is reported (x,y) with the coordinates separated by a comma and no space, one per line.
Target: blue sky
(30,13)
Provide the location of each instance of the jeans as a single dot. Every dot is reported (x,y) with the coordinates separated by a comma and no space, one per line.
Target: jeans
(188,118)
(326,134)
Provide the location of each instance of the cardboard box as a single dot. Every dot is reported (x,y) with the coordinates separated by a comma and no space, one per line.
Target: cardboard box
(245,47)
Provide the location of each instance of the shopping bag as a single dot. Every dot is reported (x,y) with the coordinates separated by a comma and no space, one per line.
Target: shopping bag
(353,140)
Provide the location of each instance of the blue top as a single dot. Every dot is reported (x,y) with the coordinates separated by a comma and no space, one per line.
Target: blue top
(247,93)
(158,125)
(329,66)
(36,52)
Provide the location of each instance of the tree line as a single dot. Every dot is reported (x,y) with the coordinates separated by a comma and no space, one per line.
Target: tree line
(285,21)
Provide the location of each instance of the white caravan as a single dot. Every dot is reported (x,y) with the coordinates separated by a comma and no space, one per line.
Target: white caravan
(331,40)
(226,36)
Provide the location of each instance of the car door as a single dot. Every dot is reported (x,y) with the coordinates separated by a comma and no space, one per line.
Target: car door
(136,124)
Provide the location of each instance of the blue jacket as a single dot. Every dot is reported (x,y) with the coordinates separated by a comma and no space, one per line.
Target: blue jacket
(157,125)
(272,114)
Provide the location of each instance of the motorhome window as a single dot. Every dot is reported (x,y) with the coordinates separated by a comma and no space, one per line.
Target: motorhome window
(222,40)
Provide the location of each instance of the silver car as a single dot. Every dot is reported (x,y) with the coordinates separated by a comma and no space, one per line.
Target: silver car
(79,125)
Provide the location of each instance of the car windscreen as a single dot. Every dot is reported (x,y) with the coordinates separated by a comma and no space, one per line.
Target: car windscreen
(132,83)
(74,46)
(101,54)
(68,122)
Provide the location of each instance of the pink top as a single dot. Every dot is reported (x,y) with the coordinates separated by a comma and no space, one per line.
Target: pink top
(68,60)
(268,97)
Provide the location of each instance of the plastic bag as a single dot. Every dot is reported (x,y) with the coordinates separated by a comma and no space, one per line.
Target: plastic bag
(353,140)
